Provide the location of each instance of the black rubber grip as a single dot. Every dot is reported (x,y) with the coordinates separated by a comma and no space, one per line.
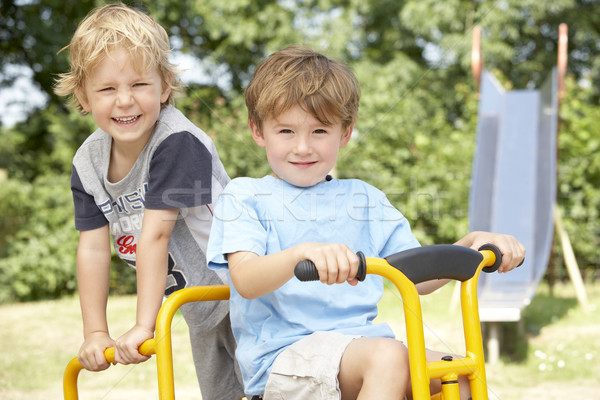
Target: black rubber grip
(306,271)
(497,253)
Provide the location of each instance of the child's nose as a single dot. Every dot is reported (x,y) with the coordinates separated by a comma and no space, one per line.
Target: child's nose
(124,98)
(302,145)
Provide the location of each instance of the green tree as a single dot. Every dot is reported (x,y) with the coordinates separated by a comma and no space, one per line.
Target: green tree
(579,175)
(32,32)
(37,257)
(415,134)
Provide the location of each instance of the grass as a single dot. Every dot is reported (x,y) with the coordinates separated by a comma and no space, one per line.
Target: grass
(39,339)
(552,355)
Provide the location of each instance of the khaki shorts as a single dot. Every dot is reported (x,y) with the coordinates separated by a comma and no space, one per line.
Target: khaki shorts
(309,368)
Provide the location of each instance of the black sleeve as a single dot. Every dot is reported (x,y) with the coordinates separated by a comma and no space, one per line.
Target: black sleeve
(180,174)
(87,214)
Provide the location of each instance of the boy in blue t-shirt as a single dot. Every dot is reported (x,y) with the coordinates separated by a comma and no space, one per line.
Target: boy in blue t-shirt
(299,340)
(147,177)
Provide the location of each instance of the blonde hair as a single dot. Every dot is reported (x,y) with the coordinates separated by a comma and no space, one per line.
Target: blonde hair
(110,27)
(297,75)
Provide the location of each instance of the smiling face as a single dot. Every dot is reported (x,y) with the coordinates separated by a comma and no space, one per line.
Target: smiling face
(124,102)
(300,149)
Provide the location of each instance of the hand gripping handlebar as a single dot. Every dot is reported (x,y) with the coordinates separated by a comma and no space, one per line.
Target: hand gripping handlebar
(422,263)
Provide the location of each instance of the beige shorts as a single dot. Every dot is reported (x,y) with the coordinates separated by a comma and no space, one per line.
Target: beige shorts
(309,368)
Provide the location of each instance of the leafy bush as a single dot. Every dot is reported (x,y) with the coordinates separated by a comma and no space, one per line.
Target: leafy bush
(39,249)
(579,176)
(414,145)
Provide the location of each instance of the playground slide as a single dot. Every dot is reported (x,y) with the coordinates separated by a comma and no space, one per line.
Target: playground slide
(513,186)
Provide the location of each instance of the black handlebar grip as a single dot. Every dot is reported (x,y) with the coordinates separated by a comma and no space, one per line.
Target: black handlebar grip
(306,271)
(497,253)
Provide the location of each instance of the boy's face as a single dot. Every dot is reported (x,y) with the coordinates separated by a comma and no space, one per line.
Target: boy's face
(124,103)
(300,149)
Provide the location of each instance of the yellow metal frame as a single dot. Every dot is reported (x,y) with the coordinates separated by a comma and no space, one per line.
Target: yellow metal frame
(422,371)
(159,345)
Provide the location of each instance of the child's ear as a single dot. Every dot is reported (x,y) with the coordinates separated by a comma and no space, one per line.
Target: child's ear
(346,135)
(256,134)
(83,101)
(166,89)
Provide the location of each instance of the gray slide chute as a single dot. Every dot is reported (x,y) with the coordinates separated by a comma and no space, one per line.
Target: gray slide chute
(513,186)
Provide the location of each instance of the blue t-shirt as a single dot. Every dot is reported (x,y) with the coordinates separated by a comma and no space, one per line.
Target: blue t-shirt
(268,215)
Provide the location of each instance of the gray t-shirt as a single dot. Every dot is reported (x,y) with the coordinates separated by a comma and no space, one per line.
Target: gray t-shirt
(179,168)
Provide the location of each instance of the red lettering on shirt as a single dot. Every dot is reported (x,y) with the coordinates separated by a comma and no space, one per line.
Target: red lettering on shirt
(125,246)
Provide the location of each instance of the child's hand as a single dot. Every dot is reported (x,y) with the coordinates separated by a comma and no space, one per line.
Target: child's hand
(126,347)
(91,353)
(336,263)
(513,252)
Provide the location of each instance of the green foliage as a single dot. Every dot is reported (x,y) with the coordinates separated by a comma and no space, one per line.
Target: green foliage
(579,175)
(39,257)
(45,143)
(123,279)
(415,134)
(33,32)
(228,35)
(411,146)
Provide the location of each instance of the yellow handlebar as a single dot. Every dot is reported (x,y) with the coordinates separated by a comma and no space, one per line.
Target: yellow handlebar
(159,345)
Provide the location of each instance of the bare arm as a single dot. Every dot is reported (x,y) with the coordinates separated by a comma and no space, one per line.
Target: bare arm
(152,266)
(512,251)
(254,276)
(93,277)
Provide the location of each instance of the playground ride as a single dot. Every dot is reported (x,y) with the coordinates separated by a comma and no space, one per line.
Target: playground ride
(404,270)
(513,185)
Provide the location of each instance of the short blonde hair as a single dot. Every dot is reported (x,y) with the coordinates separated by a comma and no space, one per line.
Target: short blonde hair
(297,75)
(101,32)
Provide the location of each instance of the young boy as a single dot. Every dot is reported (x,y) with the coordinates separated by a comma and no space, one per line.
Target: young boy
(299,340)
(147,177)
